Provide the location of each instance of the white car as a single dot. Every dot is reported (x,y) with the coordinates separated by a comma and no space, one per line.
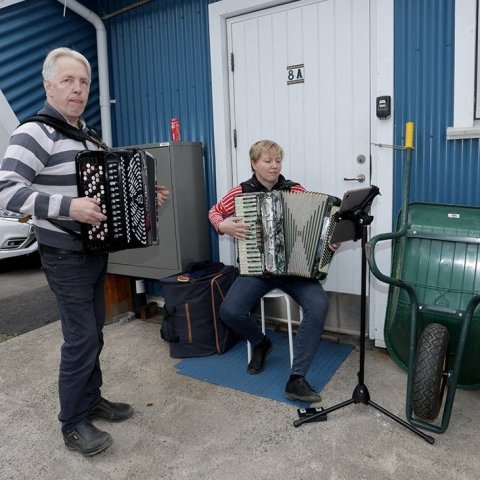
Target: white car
(16,238)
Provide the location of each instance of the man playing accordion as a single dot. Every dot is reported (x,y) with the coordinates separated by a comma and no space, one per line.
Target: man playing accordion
(37,178)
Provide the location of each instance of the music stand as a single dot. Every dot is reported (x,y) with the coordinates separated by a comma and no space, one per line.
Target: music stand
(351,221)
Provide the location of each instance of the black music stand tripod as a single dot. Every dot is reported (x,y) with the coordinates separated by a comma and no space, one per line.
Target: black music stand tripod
(352,222)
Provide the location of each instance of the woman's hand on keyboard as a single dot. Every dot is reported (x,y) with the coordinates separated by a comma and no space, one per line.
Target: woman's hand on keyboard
(234,226)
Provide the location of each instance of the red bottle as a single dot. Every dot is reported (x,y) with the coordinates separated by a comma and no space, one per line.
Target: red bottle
(175,130)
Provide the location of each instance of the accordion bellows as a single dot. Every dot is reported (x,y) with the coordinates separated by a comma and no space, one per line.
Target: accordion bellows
(289,233)
(123,180)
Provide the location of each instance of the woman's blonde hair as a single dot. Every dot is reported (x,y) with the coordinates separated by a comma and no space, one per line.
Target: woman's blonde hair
(262,146)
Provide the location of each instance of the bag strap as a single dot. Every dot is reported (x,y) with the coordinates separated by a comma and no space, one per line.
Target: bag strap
(214,283)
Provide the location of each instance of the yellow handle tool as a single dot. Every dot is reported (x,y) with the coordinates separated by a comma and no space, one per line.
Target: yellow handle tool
(409,135)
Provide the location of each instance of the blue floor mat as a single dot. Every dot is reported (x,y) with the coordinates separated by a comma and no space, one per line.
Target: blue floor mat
(230,369)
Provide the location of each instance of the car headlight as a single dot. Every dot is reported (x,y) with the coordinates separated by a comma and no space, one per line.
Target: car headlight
(8,214)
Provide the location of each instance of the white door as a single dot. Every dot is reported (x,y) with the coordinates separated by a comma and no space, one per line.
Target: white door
(300,75)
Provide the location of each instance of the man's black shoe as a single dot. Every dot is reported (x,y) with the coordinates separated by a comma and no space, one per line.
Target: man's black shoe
(299,389)
(87,439)
(112,412)
(259,355)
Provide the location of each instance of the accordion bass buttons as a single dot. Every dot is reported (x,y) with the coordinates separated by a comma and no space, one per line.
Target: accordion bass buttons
(117,181)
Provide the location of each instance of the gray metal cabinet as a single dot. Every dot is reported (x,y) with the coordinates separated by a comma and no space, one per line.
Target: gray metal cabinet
(182,222)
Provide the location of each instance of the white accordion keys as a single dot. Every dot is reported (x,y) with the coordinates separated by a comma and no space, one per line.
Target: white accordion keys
(247,249)
(290,233)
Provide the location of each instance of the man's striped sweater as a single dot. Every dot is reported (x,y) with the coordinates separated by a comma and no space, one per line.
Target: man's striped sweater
(37,178)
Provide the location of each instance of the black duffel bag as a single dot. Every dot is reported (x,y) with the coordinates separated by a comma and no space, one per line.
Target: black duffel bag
(192,324)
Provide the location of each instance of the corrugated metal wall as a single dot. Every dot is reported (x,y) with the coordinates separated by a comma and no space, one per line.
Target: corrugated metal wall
(170,40)
(444,171)
(28,31)
(159,66)
(160,69)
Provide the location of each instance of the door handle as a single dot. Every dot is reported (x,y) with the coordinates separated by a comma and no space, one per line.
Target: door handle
(359,178)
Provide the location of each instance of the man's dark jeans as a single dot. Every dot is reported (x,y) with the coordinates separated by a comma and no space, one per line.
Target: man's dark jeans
(77,280)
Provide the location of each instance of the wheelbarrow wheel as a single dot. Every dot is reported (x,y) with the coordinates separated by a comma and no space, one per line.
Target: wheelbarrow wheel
(430,364)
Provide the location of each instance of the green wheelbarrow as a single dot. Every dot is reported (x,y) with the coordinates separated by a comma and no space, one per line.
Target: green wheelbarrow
(431,329)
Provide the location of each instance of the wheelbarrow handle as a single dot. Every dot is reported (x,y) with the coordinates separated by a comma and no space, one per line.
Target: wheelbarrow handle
(370,254)
(401,232)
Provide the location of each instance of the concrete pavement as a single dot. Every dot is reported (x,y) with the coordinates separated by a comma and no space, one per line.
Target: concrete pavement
(188,429)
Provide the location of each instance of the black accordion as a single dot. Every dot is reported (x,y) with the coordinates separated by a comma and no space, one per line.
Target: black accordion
(123,180)
(289,233)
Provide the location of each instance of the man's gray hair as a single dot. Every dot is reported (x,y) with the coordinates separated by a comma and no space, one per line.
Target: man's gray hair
(50,64)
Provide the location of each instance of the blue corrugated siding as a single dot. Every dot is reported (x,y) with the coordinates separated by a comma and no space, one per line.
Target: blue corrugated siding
(28,31)
(160,69)
(167,41)
(444,171)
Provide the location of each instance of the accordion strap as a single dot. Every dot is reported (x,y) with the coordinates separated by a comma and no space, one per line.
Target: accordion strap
(65,229)
(68,130)
(75,134)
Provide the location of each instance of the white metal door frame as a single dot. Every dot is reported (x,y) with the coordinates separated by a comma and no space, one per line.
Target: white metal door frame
(381,59)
